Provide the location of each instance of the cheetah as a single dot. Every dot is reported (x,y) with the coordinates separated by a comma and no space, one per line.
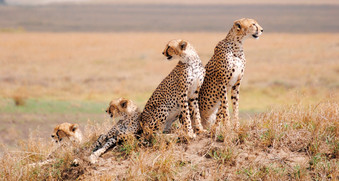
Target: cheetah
(224,72)
(67,131)
(64,135)
(177,95)
(129,124)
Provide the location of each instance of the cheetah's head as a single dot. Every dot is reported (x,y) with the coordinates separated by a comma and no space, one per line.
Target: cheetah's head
(176,48)
(67,131)
(247,27)
(121,107)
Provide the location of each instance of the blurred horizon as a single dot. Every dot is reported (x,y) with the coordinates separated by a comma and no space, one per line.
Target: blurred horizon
(158,17)
(187,2)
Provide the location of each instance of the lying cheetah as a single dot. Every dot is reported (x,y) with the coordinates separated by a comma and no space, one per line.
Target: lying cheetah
(67,131)
(224,72)
(65,135)
(177,95)
(129,115)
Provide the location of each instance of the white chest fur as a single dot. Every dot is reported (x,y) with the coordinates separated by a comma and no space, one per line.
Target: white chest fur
(238,67)
(194,75)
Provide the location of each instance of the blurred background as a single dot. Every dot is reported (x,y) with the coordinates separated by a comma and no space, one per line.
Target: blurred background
(63,60)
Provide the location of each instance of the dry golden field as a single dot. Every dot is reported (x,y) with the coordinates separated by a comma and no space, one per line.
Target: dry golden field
(68,73)
(97,66)
(289,106)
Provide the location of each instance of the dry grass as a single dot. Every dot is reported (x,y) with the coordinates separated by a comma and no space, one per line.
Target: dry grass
(293,142)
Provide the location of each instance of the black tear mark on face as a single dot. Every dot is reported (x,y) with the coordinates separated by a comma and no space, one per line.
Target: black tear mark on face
(169,57)
(109,111)
(58,138)
(256,27)
(255,35)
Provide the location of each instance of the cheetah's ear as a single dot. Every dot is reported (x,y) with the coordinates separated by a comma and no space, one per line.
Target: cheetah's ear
(237,24)
(183,45)
(124,103)
(74,127)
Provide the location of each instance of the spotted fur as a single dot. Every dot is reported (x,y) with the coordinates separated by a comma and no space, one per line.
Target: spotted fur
(128,124)
(177,95)
(224,72)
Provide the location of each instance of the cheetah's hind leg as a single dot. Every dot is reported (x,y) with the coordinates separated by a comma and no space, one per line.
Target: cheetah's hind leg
(195,116)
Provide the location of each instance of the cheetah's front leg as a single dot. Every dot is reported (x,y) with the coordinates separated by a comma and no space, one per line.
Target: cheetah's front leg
(185,114)
(95,155)
(98,144)
(103,143)
(235,102)
(194,107)
(195,115)
(223,112)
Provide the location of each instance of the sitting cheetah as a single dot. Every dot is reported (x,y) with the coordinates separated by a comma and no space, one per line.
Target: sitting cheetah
(224,72)
(128,124)
(177,95)
(163,106)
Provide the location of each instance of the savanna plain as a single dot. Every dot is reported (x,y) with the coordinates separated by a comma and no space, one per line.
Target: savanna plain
(288,107)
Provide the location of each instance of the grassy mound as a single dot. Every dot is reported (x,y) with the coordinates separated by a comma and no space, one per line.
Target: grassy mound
(296,142)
